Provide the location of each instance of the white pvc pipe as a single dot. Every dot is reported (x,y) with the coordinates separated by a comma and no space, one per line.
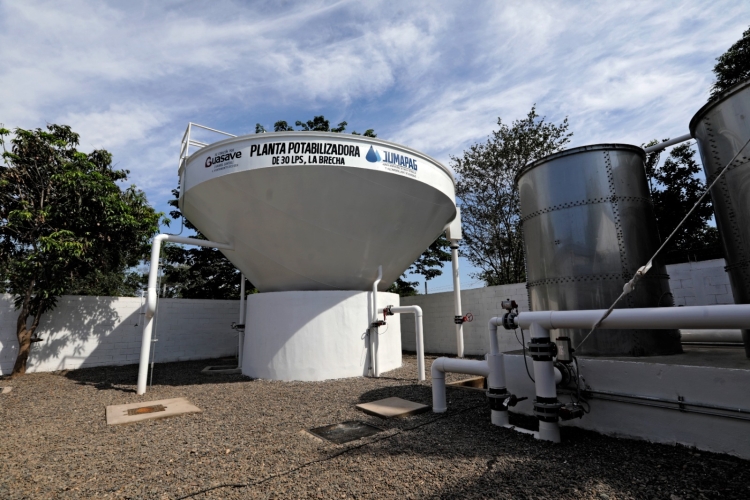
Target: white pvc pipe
(151,296)
(494,348)
(671,142)
(496,382)
(442,365)
(544,382)
(417,311)
(241,332)
(457,299)
(712,336)
(688,317)
(373,328)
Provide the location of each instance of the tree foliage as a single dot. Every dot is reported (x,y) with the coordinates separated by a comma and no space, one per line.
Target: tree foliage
(65,225)
(197,272)
(206,273)
(732,67)
(490,212)
(318,123)
(675,188)
(429,265)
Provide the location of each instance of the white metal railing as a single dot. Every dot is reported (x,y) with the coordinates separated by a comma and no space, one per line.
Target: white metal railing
(187,141)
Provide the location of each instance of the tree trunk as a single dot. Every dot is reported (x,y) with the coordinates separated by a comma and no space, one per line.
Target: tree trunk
(24,333)
(24,345)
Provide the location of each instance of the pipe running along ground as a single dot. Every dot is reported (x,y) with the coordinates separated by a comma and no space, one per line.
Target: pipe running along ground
(442,365)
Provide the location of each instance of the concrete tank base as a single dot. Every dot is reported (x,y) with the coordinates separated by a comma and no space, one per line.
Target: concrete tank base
(316,335)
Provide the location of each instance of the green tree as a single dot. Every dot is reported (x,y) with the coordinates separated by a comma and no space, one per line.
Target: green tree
(198,272)
(733,66)
(65,225)
(206,273)
(429,265)
(490,212)
(675,188)
(318,123)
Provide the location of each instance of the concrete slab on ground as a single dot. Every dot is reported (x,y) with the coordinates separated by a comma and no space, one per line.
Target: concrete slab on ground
(5,390)
(149,410)
(392,408)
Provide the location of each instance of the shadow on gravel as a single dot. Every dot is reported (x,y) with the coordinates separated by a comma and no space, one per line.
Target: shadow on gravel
(124,378)
(505,464)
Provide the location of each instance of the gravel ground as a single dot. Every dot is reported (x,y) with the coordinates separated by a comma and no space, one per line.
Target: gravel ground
(249,443)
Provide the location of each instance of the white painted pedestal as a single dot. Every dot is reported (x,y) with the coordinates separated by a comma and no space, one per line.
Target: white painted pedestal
(316,335)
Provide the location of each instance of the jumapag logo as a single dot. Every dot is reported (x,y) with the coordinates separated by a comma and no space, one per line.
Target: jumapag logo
(373,156)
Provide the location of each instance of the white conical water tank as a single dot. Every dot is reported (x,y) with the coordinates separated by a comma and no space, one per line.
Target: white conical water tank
(312,216)
(317,210)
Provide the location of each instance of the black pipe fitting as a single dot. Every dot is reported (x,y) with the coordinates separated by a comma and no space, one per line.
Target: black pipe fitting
(542,349)
(508,321)
(547,409)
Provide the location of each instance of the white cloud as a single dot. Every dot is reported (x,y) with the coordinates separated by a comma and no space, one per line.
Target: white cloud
(129,76)
(117,126)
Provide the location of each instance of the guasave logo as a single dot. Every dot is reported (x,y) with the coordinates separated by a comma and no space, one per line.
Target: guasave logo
(222,157)
(373,156)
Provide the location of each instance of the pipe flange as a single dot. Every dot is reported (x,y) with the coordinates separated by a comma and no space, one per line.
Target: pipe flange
(497,398)
(565,373)
(547,409)
(542,349)
(497,393)
(509,321)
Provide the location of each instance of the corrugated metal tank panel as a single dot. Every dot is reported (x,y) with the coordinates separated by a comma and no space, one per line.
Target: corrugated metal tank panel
(588,225)
(722,128)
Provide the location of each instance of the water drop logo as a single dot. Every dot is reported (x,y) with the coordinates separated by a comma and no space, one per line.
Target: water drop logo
(373,156)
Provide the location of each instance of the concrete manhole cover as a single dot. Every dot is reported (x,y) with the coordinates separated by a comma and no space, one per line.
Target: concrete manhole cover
(148,410)
(345,431)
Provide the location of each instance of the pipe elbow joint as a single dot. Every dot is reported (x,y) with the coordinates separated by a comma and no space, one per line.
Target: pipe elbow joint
(437,369)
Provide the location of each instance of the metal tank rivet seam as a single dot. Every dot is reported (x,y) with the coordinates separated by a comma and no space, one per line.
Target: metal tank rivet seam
(579,203)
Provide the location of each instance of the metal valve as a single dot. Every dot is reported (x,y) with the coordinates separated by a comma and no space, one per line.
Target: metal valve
(512,400)
(508,304)
(467,318)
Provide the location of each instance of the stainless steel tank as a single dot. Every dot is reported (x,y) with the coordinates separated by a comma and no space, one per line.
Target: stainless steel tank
(588,225)
(722,128)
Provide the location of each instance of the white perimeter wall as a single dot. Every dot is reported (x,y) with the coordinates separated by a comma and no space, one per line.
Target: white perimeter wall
(692,283)
(95,331)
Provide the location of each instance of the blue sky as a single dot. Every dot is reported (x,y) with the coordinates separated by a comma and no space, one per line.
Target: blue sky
(435,76)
